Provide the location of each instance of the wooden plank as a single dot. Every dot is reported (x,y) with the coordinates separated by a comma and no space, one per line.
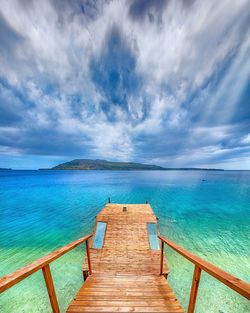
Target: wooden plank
(126,243)
(238,285)
(50,288)
(17,276)
(125,271)
(127,296)
(151,294)
(194,289)
(145,308)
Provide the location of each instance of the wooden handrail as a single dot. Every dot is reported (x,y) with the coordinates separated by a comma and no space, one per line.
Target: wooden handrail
(238,285)
(12,279)
(231,281)
(17,276)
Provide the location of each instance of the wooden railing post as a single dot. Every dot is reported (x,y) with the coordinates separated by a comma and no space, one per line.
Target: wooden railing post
(194,289)
(50,288)
(88,257)
(162,255)
(238,285)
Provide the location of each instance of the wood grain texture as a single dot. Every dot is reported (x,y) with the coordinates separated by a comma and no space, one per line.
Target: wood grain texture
(126,243)
(125,270)
(194,289)
(51,289)
(88,257)
(125,293)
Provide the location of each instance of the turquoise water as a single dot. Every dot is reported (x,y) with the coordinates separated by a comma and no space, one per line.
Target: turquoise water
(99,235)
(153,238)
(206,212)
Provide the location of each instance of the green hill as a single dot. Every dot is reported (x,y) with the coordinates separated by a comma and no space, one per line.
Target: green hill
(87,164)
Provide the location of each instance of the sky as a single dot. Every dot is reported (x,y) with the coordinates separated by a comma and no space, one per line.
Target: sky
(158,82)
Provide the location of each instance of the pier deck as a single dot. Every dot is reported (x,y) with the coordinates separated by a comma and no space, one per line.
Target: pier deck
(125,270)
(128,273)
(126,242)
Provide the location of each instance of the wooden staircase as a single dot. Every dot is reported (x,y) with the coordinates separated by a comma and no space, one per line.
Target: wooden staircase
(125,293)
(125,274)
(125,270)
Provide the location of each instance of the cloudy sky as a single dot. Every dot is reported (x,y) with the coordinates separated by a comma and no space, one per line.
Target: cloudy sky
(161,82)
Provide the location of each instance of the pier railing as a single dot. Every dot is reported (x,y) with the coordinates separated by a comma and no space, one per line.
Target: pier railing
(240,286)
(43,264)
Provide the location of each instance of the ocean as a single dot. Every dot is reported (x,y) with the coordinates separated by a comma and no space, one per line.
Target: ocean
(207,212)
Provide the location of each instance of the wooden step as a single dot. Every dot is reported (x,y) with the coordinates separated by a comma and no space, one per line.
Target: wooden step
(125,293)
(125,270)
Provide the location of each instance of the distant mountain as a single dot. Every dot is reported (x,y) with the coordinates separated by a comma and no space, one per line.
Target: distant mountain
(5,169)
(88,164)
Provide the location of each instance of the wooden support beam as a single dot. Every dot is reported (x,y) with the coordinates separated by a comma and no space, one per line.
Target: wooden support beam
(194,289)
(162,255)
(85,274)
(88,257)
(50,288)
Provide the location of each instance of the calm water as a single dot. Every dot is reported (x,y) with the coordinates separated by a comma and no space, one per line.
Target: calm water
(43,210)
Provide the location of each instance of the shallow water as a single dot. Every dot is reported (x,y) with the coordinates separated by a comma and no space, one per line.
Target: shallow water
(205,211)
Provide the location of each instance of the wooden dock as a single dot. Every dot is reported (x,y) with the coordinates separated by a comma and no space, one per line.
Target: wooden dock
(125,270)
(126,243)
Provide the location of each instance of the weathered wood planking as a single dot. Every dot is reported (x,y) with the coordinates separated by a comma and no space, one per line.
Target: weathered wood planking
(125,271)
(125,278)
(125,293)
(126,243)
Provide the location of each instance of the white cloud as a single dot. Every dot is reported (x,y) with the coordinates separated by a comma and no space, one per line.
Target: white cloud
(246,140)
(174,58)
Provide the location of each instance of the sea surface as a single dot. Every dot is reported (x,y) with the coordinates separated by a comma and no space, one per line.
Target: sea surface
(207,212)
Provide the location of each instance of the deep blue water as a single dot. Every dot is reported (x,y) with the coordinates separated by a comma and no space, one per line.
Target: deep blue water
(207,212)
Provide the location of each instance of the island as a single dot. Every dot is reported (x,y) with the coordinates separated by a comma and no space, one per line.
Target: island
(89,164)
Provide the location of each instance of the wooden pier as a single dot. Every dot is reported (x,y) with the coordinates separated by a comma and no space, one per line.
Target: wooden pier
(125,271)
(126,243)
(124,268)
